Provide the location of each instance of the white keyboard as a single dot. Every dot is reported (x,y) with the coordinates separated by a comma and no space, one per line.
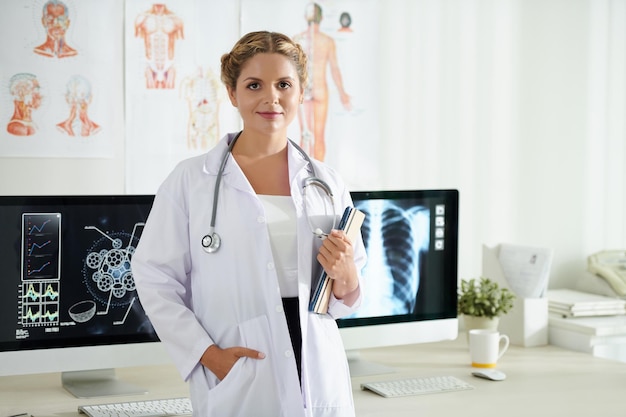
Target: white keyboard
(416,386)
(144,408)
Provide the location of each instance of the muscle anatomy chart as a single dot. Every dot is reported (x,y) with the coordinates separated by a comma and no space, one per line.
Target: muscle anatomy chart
(159,28)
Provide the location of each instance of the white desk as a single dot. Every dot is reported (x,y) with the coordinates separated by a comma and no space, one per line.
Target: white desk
(541,381)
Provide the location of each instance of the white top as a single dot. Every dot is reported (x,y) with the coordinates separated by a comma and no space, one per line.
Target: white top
(280,214)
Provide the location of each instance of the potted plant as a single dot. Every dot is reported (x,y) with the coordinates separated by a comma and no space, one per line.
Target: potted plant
(482,302)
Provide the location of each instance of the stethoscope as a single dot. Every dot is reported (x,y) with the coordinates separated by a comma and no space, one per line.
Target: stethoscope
(212,241)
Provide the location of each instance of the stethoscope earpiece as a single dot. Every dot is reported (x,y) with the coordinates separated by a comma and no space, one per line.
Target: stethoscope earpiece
(211,242)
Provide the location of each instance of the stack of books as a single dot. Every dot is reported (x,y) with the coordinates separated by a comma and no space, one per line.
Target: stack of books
(572,303)
(350,223)
(602,336)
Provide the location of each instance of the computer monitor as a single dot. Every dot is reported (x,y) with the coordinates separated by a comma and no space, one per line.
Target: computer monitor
(67,295)
(410,279)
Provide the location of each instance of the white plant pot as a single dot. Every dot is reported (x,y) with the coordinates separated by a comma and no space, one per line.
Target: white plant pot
(473,322)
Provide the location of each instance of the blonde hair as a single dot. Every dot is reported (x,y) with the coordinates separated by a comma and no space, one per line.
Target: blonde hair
(262,42)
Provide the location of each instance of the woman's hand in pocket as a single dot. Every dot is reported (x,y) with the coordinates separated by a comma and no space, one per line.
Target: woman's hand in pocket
(221,361)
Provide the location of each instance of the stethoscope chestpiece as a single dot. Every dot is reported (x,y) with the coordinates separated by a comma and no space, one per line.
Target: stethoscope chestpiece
(211,242)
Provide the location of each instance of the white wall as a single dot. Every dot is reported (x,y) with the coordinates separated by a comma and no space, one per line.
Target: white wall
(517,103)
(26,176)
(520,105)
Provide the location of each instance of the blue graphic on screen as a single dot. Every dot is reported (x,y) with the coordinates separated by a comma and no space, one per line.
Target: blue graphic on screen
(394,236)
(66,262)
(107,272)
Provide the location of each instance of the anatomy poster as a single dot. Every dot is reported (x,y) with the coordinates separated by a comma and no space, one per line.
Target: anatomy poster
(176,104)
(77,76)
(341,105)
(61,79)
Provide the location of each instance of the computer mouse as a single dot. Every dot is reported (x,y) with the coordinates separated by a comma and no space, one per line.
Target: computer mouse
(491,374)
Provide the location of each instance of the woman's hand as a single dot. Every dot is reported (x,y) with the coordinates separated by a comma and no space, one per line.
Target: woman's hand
(221,361)
(336,255)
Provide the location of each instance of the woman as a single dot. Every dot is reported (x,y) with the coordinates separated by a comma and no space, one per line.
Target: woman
(234,316)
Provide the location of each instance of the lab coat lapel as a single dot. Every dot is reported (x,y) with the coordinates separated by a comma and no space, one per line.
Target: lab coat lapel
(232,175)
(298,171)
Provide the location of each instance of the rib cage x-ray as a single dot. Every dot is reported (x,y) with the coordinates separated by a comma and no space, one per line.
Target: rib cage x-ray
(394,237)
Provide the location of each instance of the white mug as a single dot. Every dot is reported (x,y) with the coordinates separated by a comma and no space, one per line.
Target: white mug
(486,347)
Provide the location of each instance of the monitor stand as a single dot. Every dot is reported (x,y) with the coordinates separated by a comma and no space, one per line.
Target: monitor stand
(97,383)
(360,367)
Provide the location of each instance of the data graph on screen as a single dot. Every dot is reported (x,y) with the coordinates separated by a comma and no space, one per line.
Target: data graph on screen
(39,303)
(41,248)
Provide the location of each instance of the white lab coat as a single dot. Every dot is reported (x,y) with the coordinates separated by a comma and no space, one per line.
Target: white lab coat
(231,297)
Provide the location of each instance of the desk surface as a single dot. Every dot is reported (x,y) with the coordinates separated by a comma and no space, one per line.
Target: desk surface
(541,381)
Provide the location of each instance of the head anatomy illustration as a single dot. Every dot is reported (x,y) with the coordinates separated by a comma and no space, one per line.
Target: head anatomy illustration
(78,96)
(25,89)
(55,20)
(313,13)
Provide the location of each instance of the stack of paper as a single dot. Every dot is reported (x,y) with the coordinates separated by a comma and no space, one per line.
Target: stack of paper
(572,303)
(526,269)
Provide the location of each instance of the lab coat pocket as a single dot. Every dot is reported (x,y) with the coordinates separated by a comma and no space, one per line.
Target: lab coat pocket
(250,387)
(333,388)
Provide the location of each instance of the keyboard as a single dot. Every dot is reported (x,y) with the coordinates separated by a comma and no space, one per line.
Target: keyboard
(144,408)
(416,386)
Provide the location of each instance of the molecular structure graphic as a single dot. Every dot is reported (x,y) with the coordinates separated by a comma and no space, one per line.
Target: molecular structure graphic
(109,267)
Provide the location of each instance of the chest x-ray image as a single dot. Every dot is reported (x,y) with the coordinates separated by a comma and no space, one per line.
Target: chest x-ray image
(395,237)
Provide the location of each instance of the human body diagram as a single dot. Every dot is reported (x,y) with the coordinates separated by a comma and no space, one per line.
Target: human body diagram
(201,91)
(321,51)
(160,29)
